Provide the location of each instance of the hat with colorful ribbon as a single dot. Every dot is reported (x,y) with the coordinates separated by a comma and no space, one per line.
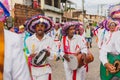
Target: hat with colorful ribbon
(69,24)
(109,23)
(31,23)
(114,11)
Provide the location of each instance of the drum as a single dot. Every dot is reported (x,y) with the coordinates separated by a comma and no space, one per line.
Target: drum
(39,58)
(75,61)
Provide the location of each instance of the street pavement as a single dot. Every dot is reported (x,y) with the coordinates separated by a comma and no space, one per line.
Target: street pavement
(94,67)
(93,70)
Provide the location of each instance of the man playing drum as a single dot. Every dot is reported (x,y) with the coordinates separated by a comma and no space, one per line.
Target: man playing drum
(38,26)
(72,45)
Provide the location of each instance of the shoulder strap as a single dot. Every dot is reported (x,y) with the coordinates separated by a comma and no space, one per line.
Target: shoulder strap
(64,42)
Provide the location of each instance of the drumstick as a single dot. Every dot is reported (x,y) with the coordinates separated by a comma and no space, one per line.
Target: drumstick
(33,49)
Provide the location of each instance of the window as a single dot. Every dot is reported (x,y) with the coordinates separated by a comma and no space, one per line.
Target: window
(48,2)
(56,3)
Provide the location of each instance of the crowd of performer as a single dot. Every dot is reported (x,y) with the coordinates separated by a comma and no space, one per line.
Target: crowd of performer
(41,40)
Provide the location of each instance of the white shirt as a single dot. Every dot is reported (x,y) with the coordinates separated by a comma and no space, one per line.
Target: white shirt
(55,34)
(107,38)
(35,46)
(113,46)
(15,65)
(74,45)
(100,36)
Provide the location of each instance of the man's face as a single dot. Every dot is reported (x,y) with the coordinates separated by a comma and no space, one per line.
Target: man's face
(112,26)
(71,30)
(40,28)
(56,27)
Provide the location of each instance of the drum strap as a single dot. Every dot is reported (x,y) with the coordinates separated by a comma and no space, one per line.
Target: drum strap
(74,74)
(2,49)
(49,78)
(64,43)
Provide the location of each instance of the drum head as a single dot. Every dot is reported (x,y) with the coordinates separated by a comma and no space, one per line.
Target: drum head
(39,58)
(73,64)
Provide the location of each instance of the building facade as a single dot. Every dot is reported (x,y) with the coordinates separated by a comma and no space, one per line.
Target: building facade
(52,9)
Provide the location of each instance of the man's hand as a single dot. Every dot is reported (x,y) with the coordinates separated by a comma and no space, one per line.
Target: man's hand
(84,58)
(66,57)
(47,53)
(32,55)
(110,67)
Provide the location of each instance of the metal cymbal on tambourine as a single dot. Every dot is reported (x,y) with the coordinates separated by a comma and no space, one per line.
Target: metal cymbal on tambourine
(39,58)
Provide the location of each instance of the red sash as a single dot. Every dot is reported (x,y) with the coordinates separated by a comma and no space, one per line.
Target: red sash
(29,64)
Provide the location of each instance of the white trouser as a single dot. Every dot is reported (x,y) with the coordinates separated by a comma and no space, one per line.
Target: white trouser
(41,77)
(81,73)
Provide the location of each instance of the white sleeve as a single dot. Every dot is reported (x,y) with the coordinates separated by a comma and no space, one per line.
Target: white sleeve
(117,44)
(62,48)
(103,53)
(19,66)
(103,56)
(7,57)
(83,46)
(15,66)
(53,50)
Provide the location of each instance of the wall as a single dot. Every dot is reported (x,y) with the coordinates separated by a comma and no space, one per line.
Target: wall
(54,15)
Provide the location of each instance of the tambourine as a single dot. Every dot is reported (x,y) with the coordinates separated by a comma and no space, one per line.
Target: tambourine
(39,58)
(117,65)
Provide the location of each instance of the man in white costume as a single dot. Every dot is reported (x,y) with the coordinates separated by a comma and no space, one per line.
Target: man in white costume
(15,66)
(39,41)
(74,45)
(101,34)
(108,55)
(55,33)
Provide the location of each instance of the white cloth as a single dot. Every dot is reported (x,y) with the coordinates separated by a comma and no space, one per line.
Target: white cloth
(15,66)
(73,43)
(42,77)
(55,34)
(107,38)
(113,46)
(46,43)
(81,72)
(100,36)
